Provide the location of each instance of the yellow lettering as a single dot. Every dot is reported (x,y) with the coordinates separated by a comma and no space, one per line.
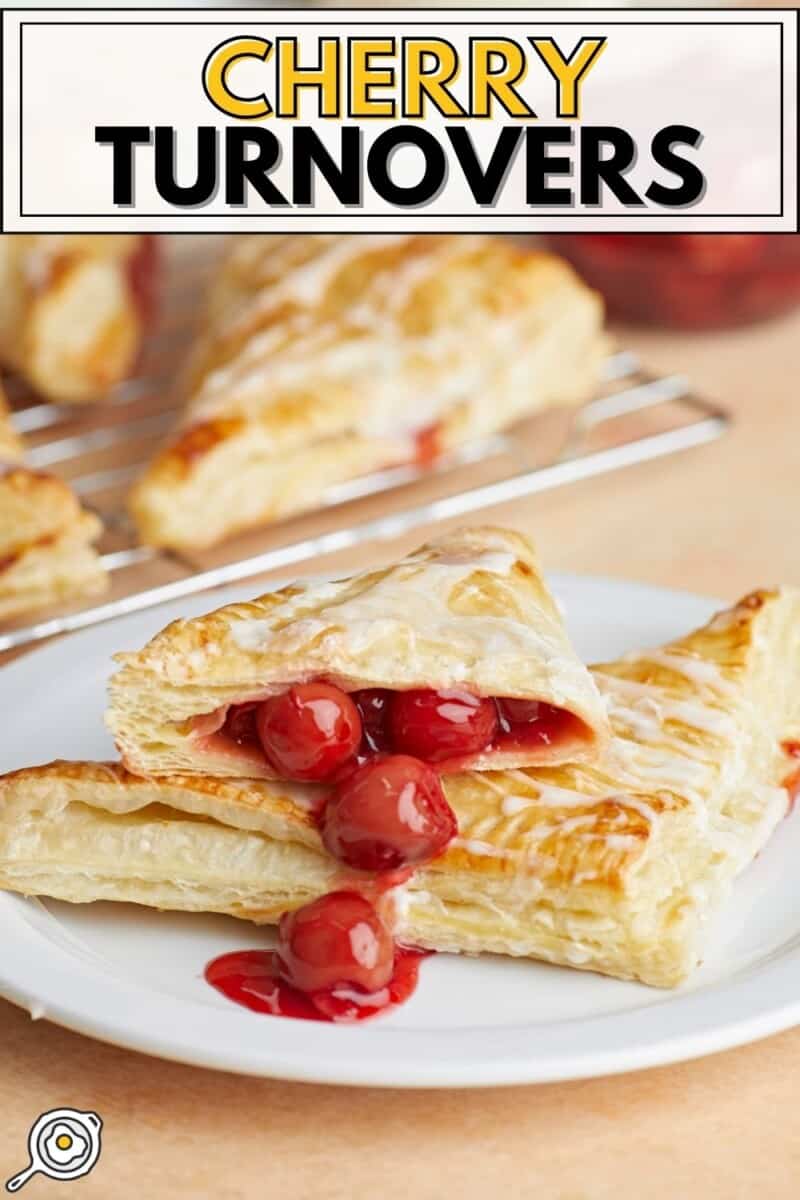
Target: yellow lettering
(215,77)
(570,72)
(430,65)
(498,64)
(292,77)
(364,77)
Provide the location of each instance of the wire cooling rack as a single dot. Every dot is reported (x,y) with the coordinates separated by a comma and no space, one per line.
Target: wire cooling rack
(636,417)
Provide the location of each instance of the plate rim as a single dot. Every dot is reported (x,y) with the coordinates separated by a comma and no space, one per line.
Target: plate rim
(328,1061)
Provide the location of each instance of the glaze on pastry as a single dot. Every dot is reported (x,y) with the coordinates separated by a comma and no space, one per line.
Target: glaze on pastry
(328,357)
(616,868)
(73,309)
(456,655)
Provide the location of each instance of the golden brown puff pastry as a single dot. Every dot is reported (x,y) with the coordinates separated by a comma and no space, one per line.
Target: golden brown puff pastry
(73,308)
(46,550)
(615,868)
(470,611)
(327,357)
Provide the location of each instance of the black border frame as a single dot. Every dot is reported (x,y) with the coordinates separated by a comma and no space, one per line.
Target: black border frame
(224,16)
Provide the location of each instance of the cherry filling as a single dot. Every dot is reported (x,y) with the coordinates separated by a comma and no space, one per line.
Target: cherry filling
(336,961)
(437,726)
(388,814)
(251,978)
(309,731)
(337,940)
(385,813)
(316,732)
(525,724)
(240,724)
(373,708)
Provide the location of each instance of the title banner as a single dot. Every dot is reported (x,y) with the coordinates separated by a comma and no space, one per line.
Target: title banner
(292,120)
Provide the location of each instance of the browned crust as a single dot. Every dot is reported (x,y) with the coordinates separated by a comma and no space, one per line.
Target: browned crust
(197,442)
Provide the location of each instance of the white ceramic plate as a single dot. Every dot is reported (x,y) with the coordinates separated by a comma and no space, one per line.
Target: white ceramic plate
(134,977)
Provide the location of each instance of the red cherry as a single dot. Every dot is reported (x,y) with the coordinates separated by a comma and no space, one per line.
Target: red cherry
(309,731)
(529,723)
(436,726)
(390,813)
(240,723)
(337,939)
(373,708)
(519,712)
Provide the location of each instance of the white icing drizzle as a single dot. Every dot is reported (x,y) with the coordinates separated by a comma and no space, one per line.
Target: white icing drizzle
(363,345)
(698,716)
(307,284)
(638,805)
(479,848)
(499,562)
(652,767)
(394,605)
(546,796)
(699,670)
(250,634)
(651,760)
(621,842)
(644,709)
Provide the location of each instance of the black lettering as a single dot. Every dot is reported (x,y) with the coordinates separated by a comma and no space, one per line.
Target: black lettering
(239,169)
(205,184)
(539,164)
(122,139)
(611,171)
(692,180)
(343,178)
(433,176)
(485,183)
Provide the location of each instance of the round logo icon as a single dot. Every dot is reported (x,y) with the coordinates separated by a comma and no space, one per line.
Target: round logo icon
(63,1143)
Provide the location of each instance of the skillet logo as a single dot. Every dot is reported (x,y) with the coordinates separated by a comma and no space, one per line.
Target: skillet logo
(397,81)
(63,1144)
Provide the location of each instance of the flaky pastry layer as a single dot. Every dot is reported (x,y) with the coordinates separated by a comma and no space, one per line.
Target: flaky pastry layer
(47,554)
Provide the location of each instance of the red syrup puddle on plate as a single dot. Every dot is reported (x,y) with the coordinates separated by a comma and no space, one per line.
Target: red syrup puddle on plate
(250,978)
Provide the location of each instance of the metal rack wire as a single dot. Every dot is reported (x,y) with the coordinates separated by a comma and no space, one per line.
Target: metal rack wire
(636,417)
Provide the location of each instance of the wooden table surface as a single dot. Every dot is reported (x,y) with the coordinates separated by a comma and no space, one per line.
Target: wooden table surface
(718,520)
